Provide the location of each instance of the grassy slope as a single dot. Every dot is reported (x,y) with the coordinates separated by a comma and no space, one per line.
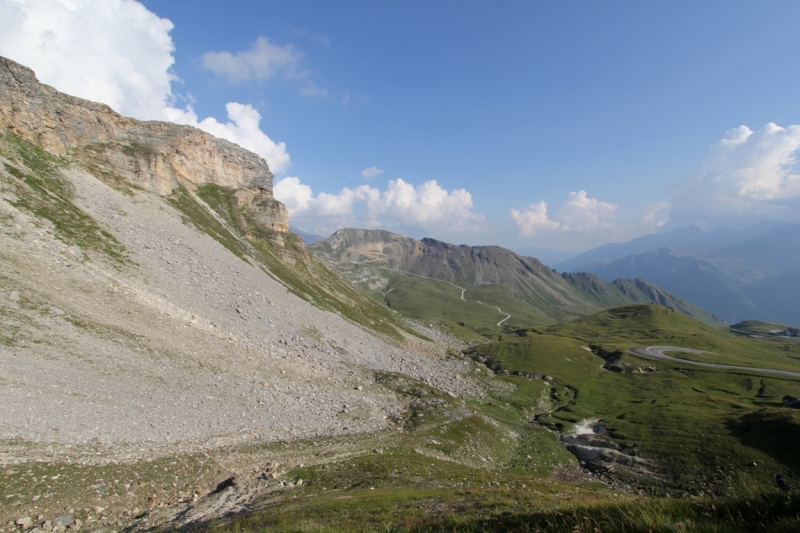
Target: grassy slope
(482,466)
(757,327)
(530,292)
(632,326)
(642,291)
(697,425)
(426,298)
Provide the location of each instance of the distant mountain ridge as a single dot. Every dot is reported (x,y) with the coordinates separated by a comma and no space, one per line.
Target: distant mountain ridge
(690,236)
(372,257)
(758,278)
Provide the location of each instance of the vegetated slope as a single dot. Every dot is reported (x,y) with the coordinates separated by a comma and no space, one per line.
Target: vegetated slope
(732,281)
(520,286)
(642,291)
(659,420)
(757,327)
(690,236)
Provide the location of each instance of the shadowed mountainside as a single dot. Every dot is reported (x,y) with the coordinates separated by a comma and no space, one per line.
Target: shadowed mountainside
(690,236)
(755,279)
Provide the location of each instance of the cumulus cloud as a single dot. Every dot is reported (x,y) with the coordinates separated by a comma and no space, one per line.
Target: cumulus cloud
(301,202)
(756,165)
(113,51)
(746,176)
(580,213)
(118,53)
(577,213)
(429,203)
(262,61)
(371,172)
(533,219)
(427,206)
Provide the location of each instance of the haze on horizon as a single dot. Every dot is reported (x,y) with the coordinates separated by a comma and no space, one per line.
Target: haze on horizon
(542,127)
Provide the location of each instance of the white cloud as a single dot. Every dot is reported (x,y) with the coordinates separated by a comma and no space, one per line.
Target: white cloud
(262,61)
(533,219)
(578,213)
(118,53)
(295,195)
(371,172)
(747,175)
(242,129)
(756,165)
(402,205)
(113,51)
(302,204)
(429,203)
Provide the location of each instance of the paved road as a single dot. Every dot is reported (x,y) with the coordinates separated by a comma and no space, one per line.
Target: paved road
(657,352)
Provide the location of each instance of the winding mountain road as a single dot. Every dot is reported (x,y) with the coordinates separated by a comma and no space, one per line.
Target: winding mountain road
(657,352)
(463,290)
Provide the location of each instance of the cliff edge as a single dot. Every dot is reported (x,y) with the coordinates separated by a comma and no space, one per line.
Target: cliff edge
(153,155)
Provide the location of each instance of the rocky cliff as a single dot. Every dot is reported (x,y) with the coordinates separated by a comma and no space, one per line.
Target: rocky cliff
(152,155)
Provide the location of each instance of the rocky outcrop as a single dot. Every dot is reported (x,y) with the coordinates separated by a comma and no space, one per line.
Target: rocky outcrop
(602,454)
(155,156)
(265,210)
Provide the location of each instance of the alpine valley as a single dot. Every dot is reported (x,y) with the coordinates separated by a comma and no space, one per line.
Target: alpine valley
(173,357)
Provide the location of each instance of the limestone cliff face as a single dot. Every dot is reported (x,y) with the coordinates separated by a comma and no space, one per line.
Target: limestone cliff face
(156,156)
(265,210)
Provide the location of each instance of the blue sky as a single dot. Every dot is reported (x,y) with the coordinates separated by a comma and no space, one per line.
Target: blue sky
(613,114)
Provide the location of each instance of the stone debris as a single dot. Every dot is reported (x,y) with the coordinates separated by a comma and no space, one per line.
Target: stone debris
(183,346)
(65,520)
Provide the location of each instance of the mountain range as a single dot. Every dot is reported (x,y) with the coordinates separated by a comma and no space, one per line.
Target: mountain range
(757,277)
(689,236)
(497,277)
(172,357)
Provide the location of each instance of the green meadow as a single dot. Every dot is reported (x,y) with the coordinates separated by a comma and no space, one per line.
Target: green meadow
(707,443)
(423,298)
